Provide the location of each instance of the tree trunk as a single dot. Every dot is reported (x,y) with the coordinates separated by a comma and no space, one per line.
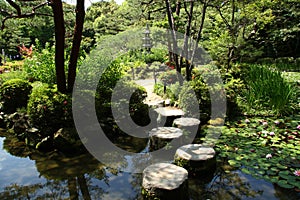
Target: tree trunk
(232,30)
(186,40)
(199,34)
(80,14)
(174,38)
(83,187)
(57,9)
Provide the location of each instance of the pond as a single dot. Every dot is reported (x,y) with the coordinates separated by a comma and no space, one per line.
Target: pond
(34,175)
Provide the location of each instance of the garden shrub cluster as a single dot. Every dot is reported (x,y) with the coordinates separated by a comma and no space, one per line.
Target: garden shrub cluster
(137,109)
(14,94)
(49,109)
(41,66)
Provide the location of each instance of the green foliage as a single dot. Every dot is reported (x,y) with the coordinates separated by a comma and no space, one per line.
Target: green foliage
(267,89)
(169,77)
(172,92)
(14,94)
(41,66)
(156,55)
(48,109)
(12,75)
(137,109)
(265,148)
(188,101)
(233,87)
(282,63)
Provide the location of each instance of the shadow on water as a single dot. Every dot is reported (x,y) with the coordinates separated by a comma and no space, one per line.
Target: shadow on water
(53,175)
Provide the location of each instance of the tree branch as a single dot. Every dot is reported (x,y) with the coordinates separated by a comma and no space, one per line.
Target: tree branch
(19,13)
(15,6)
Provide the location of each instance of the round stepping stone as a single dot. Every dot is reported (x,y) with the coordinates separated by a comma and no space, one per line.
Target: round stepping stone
(186,121)
(190,127)
(166,115)
(161,136)
(165,181)
(166,132)
(195,157)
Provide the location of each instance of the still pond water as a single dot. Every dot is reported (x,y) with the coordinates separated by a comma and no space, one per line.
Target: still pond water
(55,176)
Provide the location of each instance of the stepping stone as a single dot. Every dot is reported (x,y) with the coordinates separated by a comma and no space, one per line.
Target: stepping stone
(169,111)
(166,132)
(195,157)
(189,126)
(160,136)
(168,114)
(186,122)
(165,181)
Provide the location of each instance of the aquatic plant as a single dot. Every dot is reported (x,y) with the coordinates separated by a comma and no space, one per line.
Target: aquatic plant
(269,152)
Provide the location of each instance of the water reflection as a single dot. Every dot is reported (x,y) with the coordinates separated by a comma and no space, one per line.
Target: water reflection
(27,174)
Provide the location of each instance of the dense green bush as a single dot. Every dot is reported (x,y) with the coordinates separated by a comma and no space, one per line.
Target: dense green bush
(156,55)
(12,75)
(188,101)
(137,109)
(172,92)
(41,66)
(281,63)
(14,94)
(169,77)
(49,109)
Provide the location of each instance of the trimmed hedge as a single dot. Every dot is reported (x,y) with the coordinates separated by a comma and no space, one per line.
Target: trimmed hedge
(14,94)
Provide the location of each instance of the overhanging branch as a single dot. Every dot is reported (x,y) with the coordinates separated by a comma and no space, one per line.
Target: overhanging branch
(19,13)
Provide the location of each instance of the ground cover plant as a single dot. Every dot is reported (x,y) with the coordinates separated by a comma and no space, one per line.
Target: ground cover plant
(265,148)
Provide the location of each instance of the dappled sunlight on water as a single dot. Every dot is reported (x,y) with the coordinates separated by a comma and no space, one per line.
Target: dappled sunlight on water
(56,176)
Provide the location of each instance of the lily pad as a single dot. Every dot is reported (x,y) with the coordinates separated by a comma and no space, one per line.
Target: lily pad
(234,163)
(246,171)
(284,184)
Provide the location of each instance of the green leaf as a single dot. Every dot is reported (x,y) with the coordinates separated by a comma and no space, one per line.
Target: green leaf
(284,184)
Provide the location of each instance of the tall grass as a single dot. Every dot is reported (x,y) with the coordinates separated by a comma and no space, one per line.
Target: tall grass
(267,89)
(286,64)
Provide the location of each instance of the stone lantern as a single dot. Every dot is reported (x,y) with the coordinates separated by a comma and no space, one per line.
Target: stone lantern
(147,40)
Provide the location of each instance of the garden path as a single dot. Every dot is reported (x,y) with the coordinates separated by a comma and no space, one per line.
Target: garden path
(152,98)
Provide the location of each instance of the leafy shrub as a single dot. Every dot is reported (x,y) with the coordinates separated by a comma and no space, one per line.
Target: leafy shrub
(156,55)
(12,65)
(172,92)
(12,75)
(233,87)
(41,66)
(281,63)
(127,94)
(14,94)
(49,109)
(188,100)
(168,77)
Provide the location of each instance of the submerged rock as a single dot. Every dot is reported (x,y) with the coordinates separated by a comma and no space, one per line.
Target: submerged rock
(66,140)
(45,145)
